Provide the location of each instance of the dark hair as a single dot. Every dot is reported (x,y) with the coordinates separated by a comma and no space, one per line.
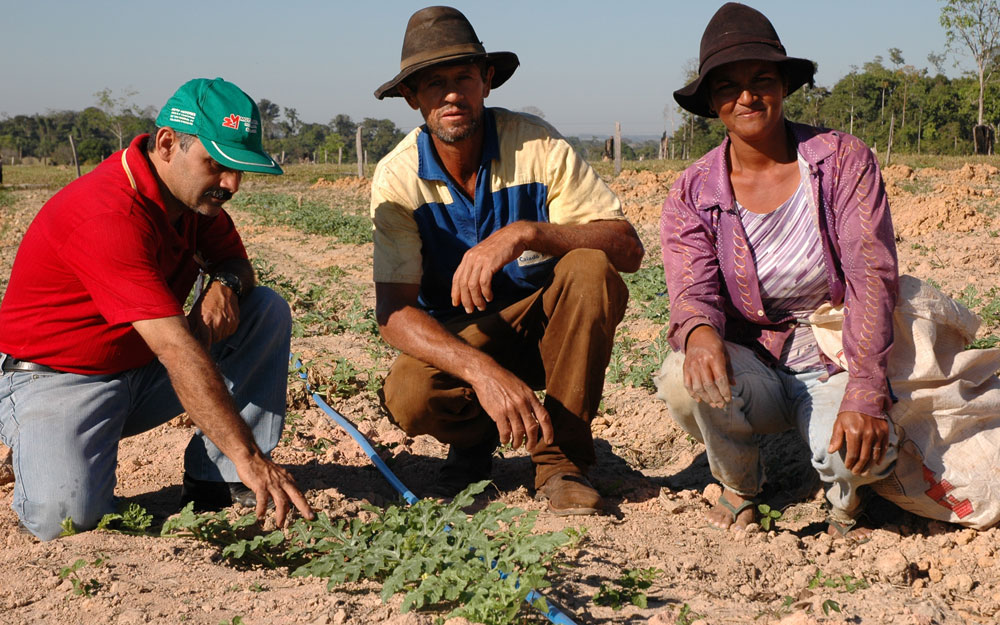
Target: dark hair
(413,80)
(184,138)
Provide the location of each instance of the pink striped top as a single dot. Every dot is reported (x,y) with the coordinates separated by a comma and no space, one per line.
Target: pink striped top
(788,254)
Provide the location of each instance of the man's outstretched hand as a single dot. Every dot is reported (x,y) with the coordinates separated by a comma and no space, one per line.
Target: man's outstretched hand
(269,481)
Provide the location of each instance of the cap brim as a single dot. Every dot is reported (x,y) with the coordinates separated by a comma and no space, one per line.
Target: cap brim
(692,96)
(241,159)
(504,64)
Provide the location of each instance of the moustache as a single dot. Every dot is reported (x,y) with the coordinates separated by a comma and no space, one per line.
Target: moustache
(455,108)
(218,194)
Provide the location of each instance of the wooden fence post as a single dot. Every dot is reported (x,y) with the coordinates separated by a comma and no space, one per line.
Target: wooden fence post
(76,163)
(888,150)
(361,156)
(340,154)
(618,148)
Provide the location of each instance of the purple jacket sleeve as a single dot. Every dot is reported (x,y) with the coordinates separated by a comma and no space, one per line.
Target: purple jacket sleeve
(691,267)
(867,254)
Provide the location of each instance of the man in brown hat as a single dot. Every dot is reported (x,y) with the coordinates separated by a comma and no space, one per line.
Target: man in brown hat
(497,252)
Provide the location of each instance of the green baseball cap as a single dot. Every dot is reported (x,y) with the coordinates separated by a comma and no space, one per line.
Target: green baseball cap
(224,118)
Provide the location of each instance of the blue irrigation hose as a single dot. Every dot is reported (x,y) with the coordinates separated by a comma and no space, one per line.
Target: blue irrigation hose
(554,614)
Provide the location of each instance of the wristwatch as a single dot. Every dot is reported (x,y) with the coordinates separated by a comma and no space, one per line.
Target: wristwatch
(227,278)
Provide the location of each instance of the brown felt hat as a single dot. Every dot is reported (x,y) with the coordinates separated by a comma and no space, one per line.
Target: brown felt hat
(437,35)
(739,33)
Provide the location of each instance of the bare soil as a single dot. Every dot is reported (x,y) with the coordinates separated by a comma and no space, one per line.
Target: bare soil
(655,478)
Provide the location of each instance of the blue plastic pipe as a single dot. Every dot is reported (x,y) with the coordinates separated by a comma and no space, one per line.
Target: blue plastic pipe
(553,613)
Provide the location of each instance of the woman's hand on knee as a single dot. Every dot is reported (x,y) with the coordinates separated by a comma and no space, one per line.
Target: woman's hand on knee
(864,439)
(707,373)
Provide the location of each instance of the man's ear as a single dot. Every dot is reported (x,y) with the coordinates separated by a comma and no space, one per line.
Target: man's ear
(167,143)
(409,95)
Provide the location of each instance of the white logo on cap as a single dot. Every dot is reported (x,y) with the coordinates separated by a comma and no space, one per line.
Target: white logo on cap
(182,116)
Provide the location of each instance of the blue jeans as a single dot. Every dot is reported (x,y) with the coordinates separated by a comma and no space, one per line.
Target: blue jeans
(64,428)
(767,401)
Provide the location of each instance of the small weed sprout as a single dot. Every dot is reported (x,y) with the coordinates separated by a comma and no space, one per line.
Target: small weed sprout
(82,587)
(768,516)
(686,616)
(130,519)
(629,588)
(845,583)
(68,527)
(830,605)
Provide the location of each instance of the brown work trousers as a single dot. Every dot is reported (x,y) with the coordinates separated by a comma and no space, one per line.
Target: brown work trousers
(559,339)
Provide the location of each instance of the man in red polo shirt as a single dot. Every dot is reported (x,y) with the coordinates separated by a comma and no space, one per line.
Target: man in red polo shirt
(95,344)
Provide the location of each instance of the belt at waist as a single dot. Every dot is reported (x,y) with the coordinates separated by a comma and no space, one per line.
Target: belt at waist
(13,364)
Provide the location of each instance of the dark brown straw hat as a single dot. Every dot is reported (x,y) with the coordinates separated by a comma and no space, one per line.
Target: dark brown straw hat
(739,33)
(438,35)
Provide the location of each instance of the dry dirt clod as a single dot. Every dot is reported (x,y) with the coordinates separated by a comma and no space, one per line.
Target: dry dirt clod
(961,583)
(893,567)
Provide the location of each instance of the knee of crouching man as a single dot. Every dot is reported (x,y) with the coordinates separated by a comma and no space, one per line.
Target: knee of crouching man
(272,307)
(586,262)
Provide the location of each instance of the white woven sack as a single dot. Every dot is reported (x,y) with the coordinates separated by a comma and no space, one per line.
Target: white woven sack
(948,407)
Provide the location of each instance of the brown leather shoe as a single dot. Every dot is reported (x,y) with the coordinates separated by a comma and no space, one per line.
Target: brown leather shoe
(570,493)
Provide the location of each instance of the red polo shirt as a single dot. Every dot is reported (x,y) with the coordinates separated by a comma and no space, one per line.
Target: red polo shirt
(99,255)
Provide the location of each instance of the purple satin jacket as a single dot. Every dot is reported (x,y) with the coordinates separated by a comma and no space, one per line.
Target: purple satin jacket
(712,279)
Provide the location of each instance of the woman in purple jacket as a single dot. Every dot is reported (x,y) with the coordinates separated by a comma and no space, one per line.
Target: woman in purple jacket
(777,220)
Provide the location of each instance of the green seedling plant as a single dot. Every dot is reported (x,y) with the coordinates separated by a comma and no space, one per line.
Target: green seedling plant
(844,583)
(776,613)
(830,606)
(313,306)
(686,616)
(985,342)
(437,555)
(82,587)
(344,382)
(68,527)
(292,420)
(630,588)
(131,519)
(768,516)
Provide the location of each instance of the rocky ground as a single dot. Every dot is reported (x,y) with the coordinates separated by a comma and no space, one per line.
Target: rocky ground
(654,477)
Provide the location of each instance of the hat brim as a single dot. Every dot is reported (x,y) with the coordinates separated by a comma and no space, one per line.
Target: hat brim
(240,158)
(694,99)
(503,63)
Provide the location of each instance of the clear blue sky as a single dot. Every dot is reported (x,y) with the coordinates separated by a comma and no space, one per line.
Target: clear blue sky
(584,63)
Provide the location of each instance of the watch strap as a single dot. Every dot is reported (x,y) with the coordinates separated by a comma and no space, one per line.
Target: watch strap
(228,279)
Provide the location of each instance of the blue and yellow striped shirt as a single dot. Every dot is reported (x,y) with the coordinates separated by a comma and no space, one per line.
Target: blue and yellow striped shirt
(425,222)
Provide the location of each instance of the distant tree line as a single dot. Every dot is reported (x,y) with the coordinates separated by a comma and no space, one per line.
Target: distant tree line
(925,112)
(100,130)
